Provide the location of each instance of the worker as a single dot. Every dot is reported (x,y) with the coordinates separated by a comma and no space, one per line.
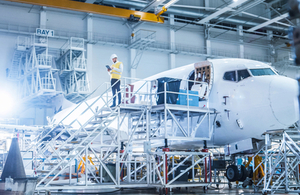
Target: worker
(115,71)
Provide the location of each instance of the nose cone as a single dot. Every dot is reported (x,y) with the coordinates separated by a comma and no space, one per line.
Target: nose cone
(283,94)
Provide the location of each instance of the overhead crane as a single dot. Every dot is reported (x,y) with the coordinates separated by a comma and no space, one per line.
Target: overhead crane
(96,9)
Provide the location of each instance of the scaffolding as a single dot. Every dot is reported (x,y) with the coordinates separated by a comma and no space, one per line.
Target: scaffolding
(276,165)
(125,146)
(32,67)
(73,70)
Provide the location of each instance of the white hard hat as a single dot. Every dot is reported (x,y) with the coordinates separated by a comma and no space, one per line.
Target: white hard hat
(113,56)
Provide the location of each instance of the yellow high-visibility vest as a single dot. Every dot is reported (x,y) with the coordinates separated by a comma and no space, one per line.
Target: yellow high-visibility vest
(115,74)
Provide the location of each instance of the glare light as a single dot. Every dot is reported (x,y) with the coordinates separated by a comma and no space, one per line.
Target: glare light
(235,0)
(6,103)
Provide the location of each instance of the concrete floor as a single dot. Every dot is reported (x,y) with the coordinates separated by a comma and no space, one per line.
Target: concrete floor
(234,191)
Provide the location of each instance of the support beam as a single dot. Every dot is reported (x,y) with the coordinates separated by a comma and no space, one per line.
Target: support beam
(269,22)
(172,56)
(240,34)
(206,4)
(95,9)
(221,11)
(43,17)
(207,40)
(272,51)
(89,51)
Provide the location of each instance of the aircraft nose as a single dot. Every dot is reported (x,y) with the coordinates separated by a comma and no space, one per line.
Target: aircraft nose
(283,94)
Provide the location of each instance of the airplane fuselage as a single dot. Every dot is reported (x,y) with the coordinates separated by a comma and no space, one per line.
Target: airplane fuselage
(249,96)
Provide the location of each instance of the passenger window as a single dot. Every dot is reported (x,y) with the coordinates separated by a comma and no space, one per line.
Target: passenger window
(242,74)
(230,76)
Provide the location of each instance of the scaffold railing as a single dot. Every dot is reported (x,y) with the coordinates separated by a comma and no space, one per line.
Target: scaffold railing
(114,146)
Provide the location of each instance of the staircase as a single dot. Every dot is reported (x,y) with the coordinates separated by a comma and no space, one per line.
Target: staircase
(282,164)
(73,70)
(54,155)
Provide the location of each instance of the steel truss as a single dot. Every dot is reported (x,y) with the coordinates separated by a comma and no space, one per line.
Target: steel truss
(279,163)
(122,147)
(73,70)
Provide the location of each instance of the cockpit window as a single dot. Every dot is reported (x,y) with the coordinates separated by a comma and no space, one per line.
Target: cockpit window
(262,72)
(230,76)
(242,74)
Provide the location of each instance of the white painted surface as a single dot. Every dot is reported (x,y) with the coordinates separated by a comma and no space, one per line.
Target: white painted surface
(260,103)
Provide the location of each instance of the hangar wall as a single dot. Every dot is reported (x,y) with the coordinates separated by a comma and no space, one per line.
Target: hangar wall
(25,18)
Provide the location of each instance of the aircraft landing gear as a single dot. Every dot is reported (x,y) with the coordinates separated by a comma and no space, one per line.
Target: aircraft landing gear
(205,188)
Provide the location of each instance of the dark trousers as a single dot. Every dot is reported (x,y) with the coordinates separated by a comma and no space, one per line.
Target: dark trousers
(115,83)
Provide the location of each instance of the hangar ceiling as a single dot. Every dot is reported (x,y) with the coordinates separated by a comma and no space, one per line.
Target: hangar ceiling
(256,16)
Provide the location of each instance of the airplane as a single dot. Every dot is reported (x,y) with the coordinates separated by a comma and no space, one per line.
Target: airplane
(249,97)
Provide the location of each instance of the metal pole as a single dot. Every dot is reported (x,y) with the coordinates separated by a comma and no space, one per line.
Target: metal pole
(188,105)
(86,158)
(266,154)
(118,151)
(193,170)
(165,104)
(285,166)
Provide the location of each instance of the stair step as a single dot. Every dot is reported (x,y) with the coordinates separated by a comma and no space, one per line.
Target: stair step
(43,171)
(106,115)
(95,122)
(92,128)
(51,164)
(71,148)
(62,156)
(83,135)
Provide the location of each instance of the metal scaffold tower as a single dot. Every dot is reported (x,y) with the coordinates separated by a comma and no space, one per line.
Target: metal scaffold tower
(73,70)
(32,66)
(97,147)
(276,165)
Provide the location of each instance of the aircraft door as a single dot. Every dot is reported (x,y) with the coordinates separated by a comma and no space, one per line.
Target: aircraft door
(203,77)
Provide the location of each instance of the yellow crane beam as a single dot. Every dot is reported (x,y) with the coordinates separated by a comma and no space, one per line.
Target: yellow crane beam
(95,9)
